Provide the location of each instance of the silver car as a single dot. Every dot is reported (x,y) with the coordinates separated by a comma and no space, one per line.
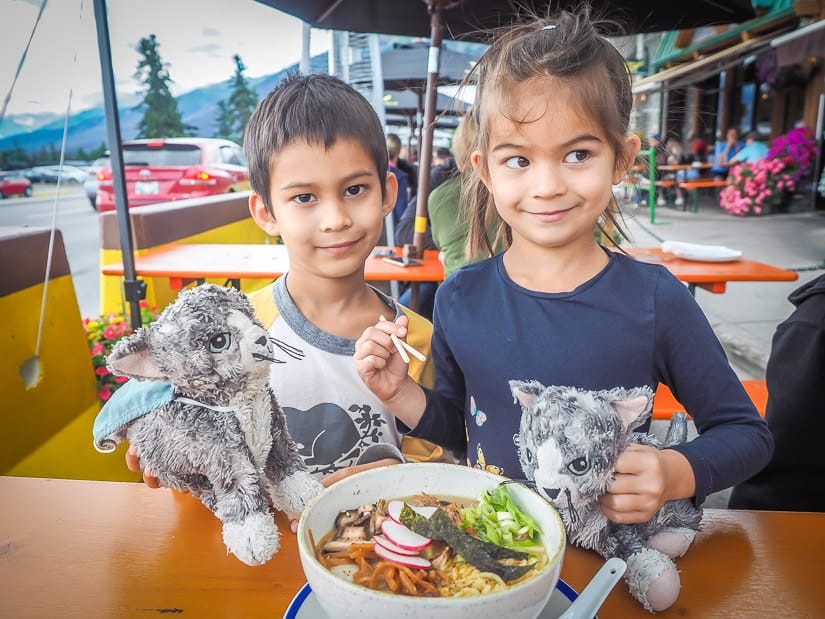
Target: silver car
(91,182)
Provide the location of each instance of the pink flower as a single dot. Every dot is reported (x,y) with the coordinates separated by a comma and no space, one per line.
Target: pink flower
(121,379)
(102,371)
(104,393)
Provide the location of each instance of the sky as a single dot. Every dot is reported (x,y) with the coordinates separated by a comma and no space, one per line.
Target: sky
(197,38)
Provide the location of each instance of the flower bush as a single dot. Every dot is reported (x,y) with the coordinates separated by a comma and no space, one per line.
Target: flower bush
(755,188)
(102,334)
(798,145)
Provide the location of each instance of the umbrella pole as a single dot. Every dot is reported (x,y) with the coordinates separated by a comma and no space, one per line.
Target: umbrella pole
(425,156)
(134,289)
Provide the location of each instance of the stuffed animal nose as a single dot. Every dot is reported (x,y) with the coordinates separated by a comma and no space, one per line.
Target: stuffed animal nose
(261,341)
(551,493)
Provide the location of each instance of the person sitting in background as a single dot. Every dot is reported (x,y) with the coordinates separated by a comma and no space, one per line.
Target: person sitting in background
(698,148)
(401,201)
(754,150)
(724,152)
(794,479)
(404,232)
(404,165)
(660,156)
(676,155)
(441,155)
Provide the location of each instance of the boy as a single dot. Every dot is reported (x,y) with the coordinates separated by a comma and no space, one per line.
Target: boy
(318,168)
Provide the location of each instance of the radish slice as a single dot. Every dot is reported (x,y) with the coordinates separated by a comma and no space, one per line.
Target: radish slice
(406,560)
(400,535)
(382,541)
(394,510)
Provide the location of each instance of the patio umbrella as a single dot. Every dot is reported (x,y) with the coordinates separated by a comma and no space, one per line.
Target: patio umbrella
(468,19)
(409,106)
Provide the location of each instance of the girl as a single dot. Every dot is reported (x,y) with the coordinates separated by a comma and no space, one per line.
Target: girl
(552,107)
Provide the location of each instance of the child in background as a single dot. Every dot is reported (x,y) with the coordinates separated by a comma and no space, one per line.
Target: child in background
(553,102)
(318,169)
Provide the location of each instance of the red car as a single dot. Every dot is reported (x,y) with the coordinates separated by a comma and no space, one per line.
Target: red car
(14,184)
(175,169)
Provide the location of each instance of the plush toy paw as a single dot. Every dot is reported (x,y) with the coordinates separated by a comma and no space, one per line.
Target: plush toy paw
(672,542)
(253,540)
(294,492)
(653,579)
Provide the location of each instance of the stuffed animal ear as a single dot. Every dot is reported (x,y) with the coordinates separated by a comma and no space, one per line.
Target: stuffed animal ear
(632,408)
(526,392)
(130,357)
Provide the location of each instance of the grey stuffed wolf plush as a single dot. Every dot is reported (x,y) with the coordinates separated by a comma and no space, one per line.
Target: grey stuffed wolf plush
(569,441)
(220,433)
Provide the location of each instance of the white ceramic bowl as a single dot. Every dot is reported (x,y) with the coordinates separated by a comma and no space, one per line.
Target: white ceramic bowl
(342,599)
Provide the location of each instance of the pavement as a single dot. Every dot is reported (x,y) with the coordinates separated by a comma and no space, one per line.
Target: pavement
(745,317)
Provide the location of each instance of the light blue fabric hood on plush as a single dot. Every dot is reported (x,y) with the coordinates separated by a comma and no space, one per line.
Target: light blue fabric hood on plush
(132,400)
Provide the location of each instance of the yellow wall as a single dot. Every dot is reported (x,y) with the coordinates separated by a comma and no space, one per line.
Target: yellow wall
(46,431)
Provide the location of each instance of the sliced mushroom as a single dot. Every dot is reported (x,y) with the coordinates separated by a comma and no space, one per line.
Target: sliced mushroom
(346,518)
(353,534)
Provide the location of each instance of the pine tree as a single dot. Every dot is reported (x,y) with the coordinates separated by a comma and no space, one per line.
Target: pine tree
(224,121)
(161,118)
(234,112)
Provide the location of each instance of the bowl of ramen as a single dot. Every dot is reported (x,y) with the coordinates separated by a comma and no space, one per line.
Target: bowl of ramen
(430,540)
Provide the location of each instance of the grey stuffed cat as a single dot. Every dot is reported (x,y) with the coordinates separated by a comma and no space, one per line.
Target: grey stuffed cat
(569,441)
(219,433)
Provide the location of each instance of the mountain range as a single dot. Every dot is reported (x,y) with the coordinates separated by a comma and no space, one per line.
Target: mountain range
(87,129)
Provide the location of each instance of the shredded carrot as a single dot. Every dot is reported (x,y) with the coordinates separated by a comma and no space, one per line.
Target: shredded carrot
(406,582)
(379,568)
(391,576)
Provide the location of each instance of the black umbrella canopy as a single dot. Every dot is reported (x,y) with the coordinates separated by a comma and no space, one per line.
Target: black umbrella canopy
(407,102)
(405,66)
(468,19)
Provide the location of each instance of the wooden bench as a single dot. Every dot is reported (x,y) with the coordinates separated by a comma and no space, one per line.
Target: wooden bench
(665,404)
(694,186)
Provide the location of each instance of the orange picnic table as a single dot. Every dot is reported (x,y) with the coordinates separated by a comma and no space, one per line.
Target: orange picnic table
(713,276)
(183,264)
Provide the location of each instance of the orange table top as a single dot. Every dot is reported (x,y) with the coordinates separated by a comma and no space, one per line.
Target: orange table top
(107,549)
(713,276)
(675,167)
(184,263)
(187,262)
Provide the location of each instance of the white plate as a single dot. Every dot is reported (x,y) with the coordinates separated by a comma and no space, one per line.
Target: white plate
(305,605)
(701,253)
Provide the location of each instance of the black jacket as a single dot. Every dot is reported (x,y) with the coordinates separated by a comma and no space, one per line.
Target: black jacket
(795,477)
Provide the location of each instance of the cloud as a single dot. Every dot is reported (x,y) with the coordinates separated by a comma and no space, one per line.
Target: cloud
(212,50)
(211,32)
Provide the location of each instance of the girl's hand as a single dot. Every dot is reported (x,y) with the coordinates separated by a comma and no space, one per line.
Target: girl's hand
(378,362)
(640,486)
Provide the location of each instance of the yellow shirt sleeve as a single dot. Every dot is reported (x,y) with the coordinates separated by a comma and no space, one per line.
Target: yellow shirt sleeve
(419,335)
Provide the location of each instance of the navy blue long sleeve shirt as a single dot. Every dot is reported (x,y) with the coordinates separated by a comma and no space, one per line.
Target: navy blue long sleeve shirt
(632,325)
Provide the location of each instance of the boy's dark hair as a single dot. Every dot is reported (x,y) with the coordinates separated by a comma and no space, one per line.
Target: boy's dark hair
(315,108)
(443,152)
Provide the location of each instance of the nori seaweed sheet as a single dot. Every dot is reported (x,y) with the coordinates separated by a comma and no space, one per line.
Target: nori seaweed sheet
(478,553)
